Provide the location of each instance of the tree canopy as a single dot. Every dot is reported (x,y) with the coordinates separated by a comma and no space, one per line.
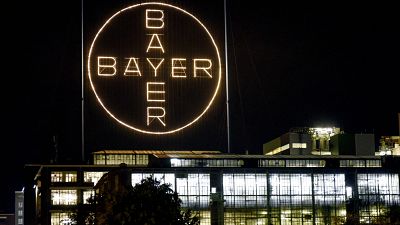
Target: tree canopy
(147,203)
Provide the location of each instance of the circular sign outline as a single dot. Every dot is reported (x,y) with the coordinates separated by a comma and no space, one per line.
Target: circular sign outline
(130,126)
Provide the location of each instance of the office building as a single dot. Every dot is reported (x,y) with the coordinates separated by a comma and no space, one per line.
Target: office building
(251,189)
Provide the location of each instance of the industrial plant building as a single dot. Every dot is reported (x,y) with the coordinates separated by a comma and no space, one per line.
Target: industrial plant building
(246,189)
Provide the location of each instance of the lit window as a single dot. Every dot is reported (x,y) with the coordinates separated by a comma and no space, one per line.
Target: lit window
(164,178)
(100,159)
(329,189)
(142,160)
(70,177)
(64,197)
(373,163)
(63,176)
(92,177)
(60,218)
(56,177)
(299,145)
(349,192)
(87,194)
(175,162)
(244,190)
(271,163)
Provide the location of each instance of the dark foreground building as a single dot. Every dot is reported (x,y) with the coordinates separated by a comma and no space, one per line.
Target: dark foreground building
(238,189)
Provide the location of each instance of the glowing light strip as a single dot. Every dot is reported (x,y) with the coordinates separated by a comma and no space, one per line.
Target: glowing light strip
(124,123)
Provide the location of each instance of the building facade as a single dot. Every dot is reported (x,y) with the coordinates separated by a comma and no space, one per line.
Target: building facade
(19,207)
(238,189)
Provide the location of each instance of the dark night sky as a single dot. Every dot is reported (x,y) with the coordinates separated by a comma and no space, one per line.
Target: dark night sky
(289,66)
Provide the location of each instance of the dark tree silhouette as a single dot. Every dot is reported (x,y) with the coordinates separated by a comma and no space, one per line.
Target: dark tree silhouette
(148,203)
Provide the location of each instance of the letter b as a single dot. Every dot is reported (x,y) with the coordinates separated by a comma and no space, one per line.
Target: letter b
(154,19)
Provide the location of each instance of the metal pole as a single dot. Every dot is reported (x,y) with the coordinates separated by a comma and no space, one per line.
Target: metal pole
(226,80)
(82,90)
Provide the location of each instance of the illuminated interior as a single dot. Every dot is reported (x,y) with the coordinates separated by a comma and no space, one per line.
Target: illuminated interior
(63,176)
(60,218)
(64,197)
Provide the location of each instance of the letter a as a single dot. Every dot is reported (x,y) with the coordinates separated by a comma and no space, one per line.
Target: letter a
(131,70)
(157,46)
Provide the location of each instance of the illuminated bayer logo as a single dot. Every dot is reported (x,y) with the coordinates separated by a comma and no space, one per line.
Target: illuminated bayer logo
(154,68)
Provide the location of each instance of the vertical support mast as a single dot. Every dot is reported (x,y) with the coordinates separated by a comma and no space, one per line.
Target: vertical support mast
(226,80)
(82,90)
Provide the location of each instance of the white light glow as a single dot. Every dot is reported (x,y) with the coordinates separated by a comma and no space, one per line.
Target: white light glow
(202,65)
(155,91)
(156,113)
(156,46)
(154,21)
(178,71)
(299,145)
(349,192)
(135,71)
(161,60)
(104,66)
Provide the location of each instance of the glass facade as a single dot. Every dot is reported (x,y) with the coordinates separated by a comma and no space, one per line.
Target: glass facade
(263,198)
(330,195)
(193,188)
(116,159)
(284,198)
(245,190)
(274,190)
(376,193)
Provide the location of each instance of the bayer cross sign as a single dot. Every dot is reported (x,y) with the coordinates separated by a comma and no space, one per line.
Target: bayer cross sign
(154,68)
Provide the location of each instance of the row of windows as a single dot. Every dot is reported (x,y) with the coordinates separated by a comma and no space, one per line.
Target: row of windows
(317,163)
(291,163)
(63,218)
(63,176)
(285,189)
(286,215)
(71,176)
(360,163)
(64,197)
(252,189)
(116,159)
(206,163)
(280,215)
